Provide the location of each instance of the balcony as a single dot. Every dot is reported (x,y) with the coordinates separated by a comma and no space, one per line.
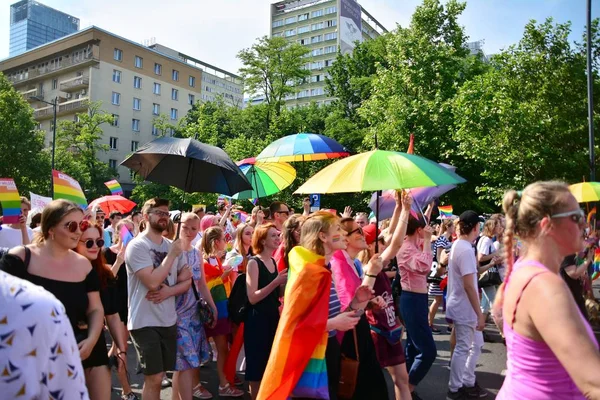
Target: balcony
(66,64)
(74,84)
(69,107)
(31,93)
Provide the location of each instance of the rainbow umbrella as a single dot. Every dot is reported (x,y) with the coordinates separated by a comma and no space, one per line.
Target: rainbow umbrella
(266,178)
(586,192)
(302,147)
(379,170)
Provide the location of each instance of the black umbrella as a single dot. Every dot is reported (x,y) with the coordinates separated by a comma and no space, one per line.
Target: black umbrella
(188,165)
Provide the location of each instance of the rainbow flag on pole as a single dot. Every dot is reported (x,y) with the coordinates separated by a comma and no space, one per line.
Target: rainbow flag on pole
(590,217)
(114,187)
(445,211)
(297,363)
(68,188)
(11,201)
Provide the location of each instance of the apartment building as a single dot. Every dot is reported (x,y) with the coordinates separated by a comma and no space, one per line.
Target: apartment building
(32,24)
(324,27)
(135,84)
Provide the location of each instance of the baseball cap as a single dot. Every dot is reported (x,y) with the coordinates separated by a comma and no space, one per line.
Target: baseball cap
(370,233)
(470,218)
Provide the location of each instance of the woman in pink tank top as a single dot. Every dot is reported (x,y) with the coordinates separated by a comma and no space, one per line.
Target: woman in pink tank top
(552,351)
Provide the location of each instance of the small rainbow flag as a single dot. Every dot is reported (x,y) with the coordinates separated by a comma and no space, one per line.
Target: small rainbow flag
(114,187)
(222,199)
(254,201)
(596,264)
(591,216)
(238,217)
(297,364)
(68,188)
(445,211)
(11,201)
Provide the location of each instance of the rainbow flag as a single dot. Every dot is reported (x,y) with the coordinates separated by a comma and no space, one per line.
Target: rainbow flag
(114,187)
(222,199)
(445,211)
(238,217)
(297,363)
(591,216)
(217,287)
(254,202)
(596,265)
(68,188)
(11,201)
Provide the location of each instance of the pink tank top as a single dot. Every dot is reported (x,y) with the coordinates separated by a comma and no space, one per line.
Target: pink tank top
(533,371)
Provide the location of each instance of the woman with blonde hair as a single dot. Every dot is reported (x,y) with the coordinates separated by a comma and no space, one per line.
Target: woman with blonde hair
(257,217)
(242,247)
(544,362)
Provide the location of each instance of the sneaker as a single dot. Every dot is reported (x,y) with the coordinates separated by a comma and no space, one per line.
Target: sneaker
(458,395)
(237,381)
(435,331)
(129,396)
(165,383)
(228,391)
(200,392)
(475,392)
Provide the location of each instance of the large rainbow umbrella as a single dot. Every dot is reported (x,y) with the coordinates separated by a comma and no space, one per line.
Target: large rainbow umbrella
(266,178)
(302,147)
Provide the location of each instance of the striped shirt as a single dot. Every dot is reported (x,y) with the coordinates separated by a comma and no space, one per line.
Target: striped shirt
(335,307)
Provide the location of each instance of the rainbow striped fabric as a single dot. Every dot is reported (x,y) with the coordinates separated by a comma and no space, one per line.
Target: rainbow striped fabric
(297,364)
(114,187)
(445,211)
(68,188)
(217,287)
(239,217)
(11,202)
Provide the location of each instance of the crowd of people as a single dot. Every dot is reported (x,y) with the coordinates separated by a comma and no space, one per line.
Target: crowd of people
(321,303)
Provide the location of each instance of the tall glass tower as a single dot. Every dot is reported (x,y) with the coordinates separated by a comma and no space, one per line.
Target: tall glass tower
(33,24)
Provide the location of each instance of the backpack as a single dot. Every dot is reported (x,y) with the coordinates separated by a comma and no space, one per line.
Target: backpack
(238,300)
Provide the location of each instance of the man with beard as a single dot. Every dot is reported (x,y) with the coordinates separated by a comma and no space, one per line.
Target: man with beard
(156,272)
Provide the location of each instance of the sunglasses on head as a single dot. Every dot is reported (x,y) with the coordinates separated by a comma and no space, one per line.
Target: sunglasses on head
(577,216)
(90,243)
(73,225)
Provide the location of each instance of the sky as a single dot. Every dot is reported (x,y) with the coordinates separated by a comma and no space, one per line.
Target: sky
(215,31)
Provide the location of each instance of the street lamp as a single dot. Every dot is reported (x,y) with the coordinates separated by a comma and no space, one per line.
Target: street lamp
(54,105)
(590,80)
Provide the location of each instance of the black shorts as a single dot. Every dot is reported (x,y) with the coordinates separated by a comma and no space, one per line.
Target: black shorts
(156,347)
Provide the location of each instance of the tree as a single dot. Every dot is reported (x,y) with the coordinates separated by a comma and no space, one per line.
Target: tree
(273,68)
(526,118)
(78,144)
(21,144)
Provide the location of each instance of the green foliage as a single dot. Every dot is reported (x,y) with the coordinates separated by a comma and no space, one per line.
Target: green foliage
(78,144)
(21,144)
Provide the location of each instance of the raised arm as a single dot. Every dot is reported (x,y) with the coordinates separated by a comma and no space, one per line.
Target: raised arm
(401,213)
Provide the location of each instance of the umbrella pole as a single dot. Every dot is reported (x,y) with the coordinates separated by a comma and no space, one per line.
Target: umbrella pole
(256,186)
(187,177)
(377,222)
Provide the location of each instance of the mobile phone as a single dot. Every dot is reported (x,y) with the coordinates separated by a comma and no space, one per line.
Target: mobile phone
(359,313)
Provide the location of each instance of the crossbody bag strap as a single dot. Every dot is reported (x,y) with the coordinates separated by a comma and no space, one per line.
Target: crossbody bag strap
(355,344)
(27,257)
(196,295)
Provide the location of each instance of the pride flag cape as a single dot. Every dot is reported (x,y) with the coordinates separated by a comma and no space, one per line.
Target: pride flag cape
(68,188)
(114,187)
(297,361)
(596,264)
(445,211)
(217,287)
(11,201)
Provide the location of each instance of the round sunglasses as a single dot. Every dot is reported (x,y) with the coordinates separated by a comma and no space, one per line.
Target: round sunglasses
(90,243)
(72,226)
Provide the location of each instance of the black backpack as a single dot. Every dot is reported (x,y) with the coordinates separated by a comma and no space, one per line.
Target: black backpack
(238,300)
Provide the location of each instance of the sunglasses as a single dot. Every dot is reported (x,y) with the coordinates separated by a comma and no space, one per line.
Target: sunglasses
(359,230)
(90,243)
(72,226)
(577,216)
(283,212)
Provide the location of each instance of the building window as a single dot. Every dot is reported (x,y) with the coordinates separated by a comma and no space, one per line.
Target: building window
(112,163)
(330,23)
(317,13)
(277,34)
(137,104)
(303,29)
(171,132)
(135,125)
(330,49)
(134,145)
(137,82)
(174,94)
(330,10)
(290,32)
(302,17)
(175,75)
(192,81)
(331,36)
(115,121)
(290,20)
(315,39)
(316,92)
(113,143)
(139,62)
(118,55)
(155,130)
(277,23)
(156,89)
(317,52)
(157,69)
(191,99)
(116,76)
(316,27)
(156,109)
(328,63)
(173,113)
(303,41)
(54,84)
(116,98)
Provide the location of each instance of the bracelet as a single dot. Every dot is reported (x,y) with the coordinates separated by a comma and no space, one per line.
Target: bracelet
(370,276)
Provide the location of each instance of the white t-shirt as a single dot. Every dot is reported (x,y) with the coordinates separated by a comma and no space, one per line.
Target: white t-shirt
(485,245)
(197,239)
(10,237)
(144,253)
(461,262)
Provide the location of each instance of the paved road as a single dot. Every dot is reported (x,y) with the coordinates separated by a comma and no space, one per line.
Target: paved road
(433,387)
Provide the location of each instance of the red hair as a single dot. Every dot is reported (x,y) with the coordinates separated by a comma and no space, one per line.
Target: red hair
(99,264)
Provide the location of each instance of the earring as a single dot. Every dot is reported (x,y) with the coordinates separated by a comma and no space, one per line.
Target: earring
(52,235)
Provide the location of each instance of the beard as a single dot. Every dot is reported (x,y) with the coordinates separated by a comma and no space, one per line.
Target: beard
(159,225)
